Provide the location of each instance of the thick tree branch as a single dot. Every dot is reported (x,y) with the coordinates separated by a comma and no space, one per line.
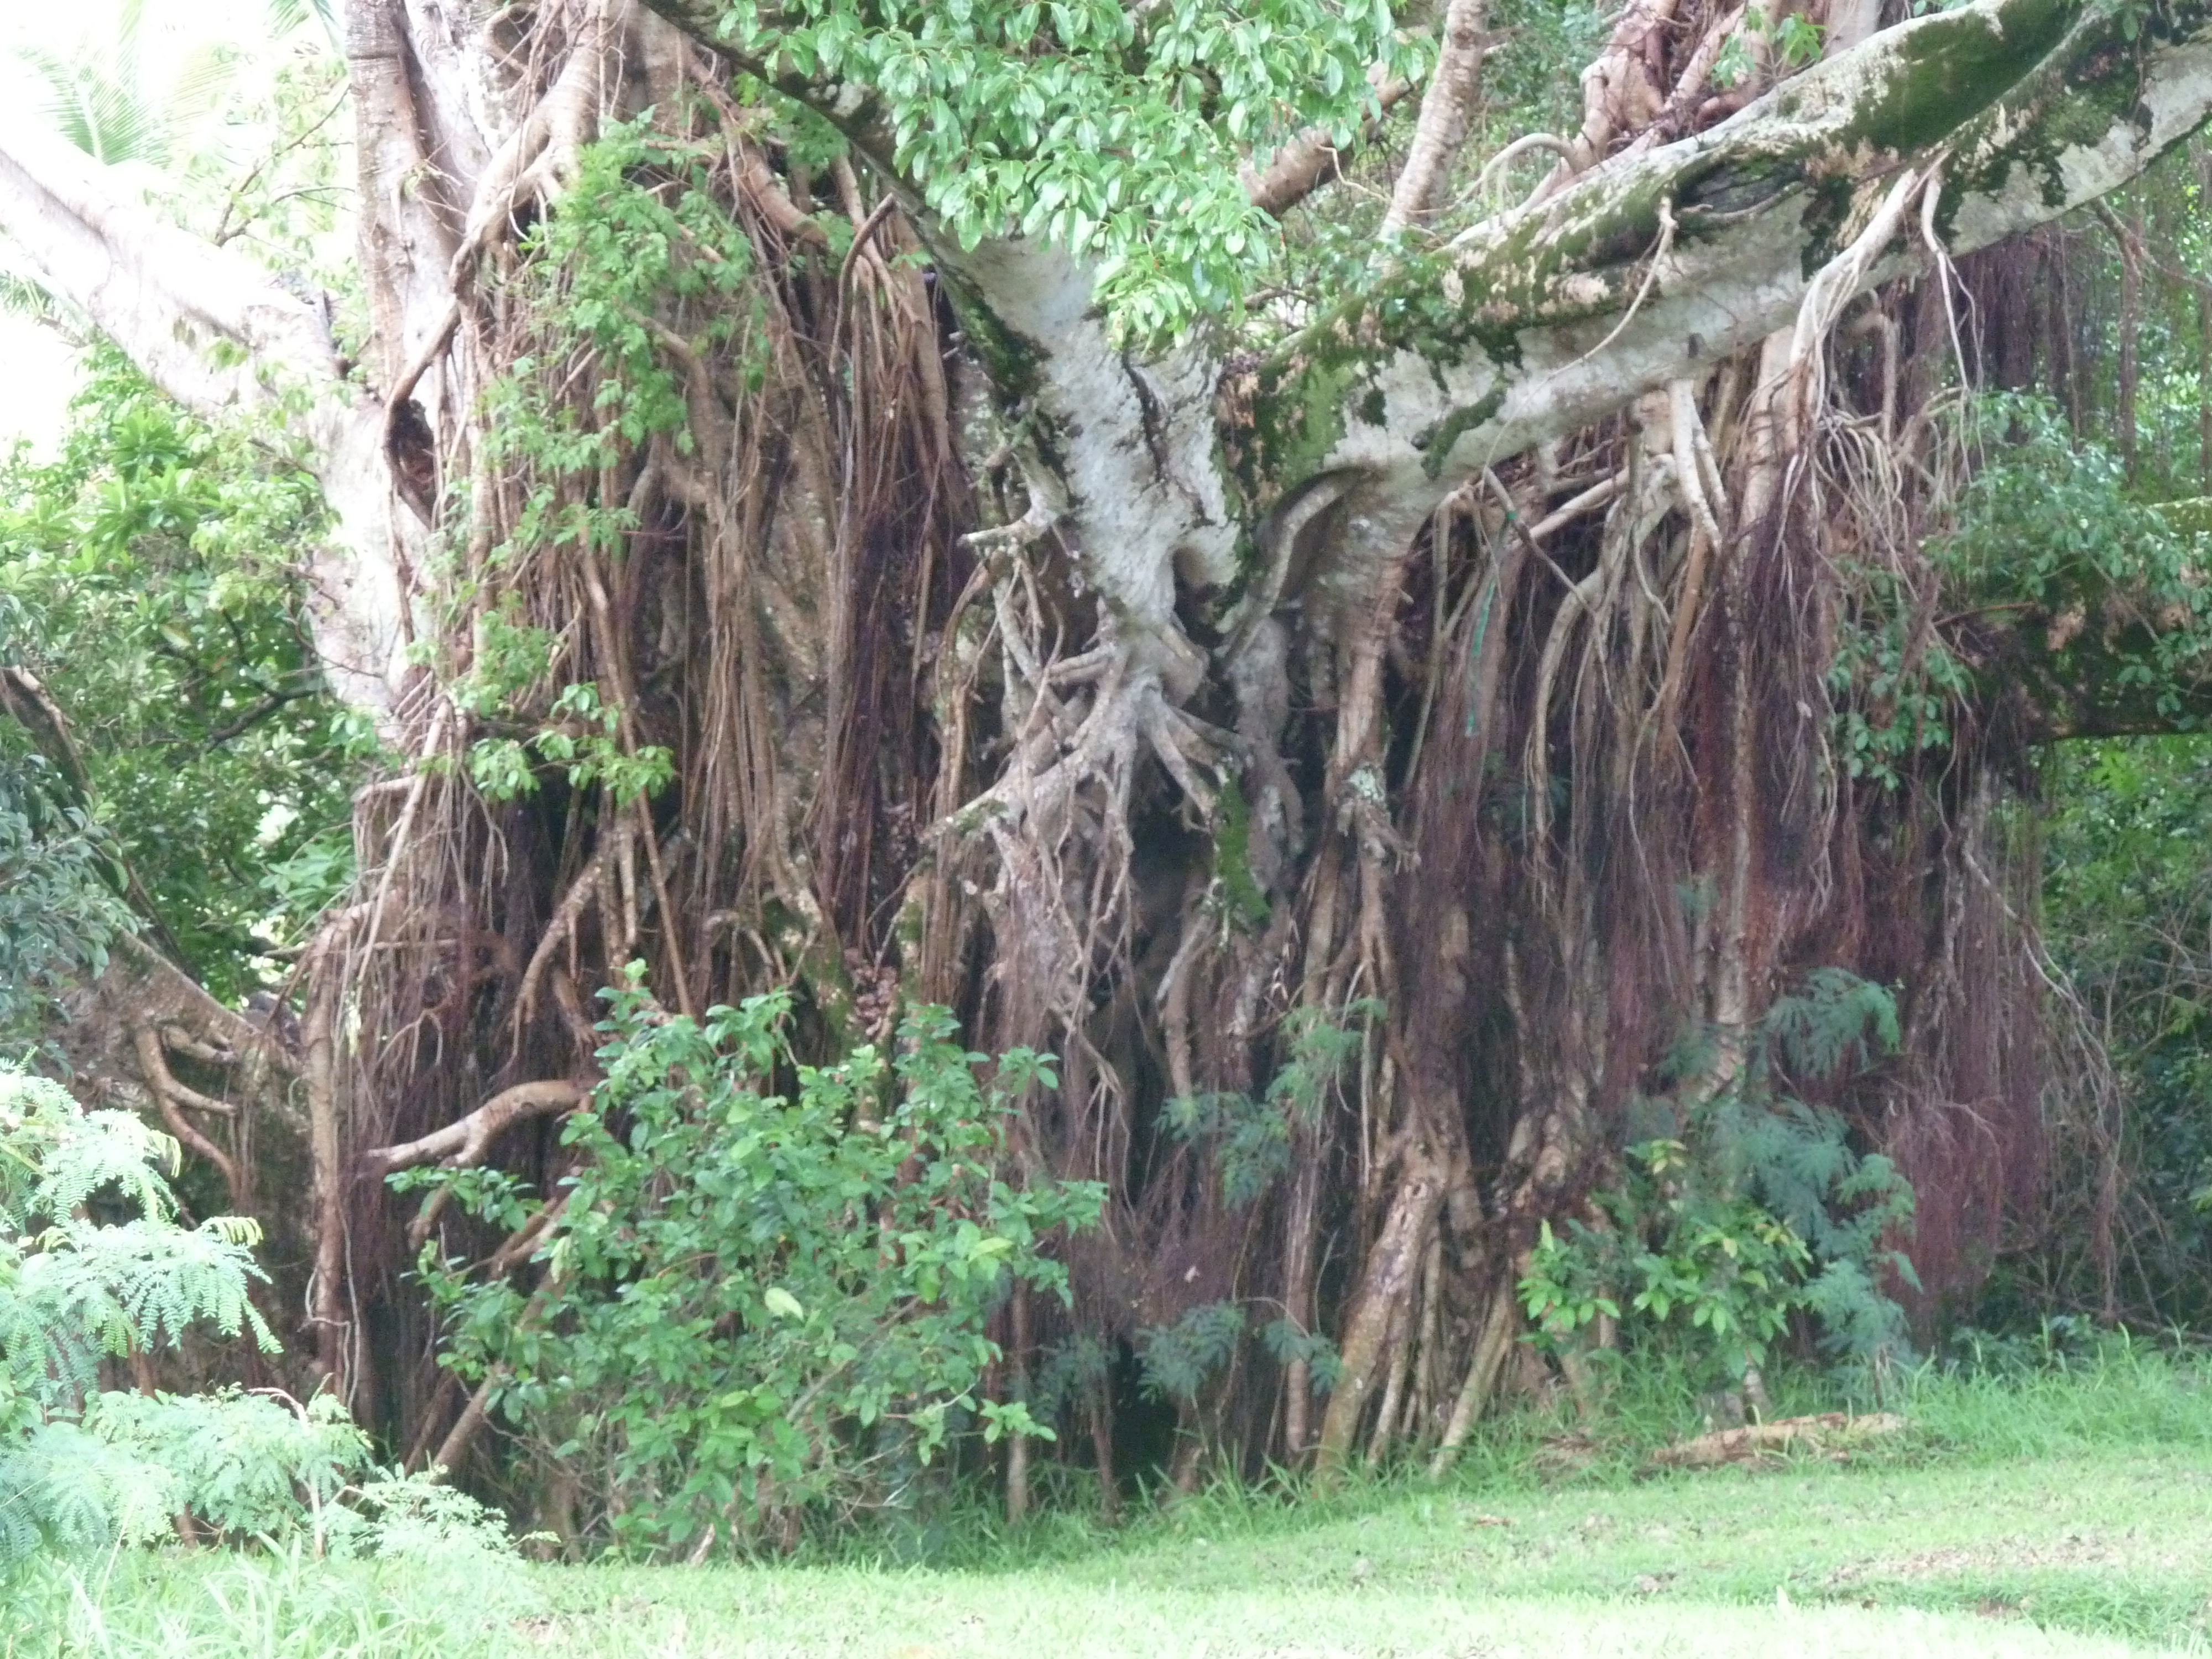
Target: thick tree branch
(1555,315)
(170,300)
(463,1143)
(216,332)
(1447,116)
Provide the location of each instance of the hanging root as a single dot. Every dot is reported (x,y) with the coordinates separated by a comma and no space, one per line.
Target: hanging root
(539,158)
(1833,287)
(1492,1348)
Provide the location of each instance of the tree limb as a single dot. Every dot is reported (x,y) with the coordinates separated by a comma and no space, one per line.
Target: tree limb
(1447,116)
(2040,108)
(215,332)
(1313,159)
(166,296)
(463,1143)
(169,1097)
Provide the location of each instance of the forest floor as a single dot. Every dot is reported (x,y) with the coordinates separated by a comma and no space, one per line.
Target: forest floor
(2067,1514)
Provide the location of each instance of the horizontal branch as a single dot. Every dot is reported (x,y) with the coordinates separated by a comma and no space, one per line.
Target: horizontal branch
(171,300)
(463,1143)
(1537,323)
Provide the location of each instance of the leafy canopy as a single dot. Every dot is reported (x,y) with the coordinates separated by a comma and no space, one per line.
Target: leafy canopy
(151,576)
(1114,132)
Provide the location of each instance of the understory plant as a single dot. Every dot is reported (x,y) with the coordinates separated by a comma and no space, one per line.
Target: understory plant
(96,1272)
(1747,1206)
(764,1288)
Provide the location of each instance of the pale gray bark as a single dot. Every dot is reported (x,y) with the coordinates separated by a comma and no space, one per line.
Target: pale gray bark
(1447,116)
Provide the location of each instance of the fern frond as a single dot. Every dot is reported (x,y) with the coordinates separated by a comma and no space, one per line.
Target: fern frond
(241,1462)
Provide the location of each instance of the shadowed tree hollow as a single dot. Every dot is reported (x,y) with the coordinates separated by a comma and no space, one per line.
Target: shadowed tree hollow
(858,505)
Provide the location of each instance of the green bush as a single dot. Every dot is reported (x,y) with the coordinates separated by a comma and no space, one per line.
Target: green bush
(58,910)
(765,1289)
(94,1266)
(1755,1207)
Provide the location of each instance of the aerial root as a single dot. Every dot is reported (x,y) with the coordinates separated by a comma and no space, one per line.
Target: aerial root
(1836,284)
(539,159)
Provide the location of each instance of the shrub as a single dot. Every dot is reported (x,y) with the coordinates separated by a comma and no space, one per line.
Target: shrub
(765,1284)
(95,1265)
(1755,1207)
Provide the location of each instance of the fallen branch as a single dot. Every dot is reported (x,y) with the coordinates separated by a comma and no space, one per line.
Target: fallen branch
(1828,1431)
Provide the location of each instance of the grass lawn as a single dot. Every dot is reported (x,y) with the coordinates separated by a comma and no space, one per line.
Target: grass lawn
(2069,1517)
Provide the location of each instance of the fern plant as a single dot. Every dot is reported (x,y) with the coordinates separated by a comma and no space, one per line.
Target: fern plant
(95,1265)
(1745,1208)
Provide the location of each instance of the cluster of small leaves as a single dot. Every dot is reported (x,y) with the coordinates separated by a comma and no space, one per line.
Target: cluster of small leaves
(76,1288)
(642,244)
(1177,1359)
(642,253)
(59,908)
(1725,1264)
(1114,131)
(2049,518)
(151,576)
(95,1265)
(583,738)
(766,1280)
(242,1464)
(1755,1207)
(1290,1345)
(1251,1139)
(1793,39)
(1897,687)
(1068,1371)
(1838,1023)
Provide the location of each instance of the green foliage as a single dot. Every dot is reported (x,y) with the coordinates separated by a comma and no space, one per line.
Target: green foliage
(583,740)
(2049,518)
(1290,1345)
(755,1297)
(83,1469)
(1116,132)
(624,250)
(241,1463)
(151,576)
(1723,1263)
(1251,1139)
(1794,40)
(2127,913)
(76,1289)
(58,909)
(1897,687)
(1755,1207)
(1177,1358)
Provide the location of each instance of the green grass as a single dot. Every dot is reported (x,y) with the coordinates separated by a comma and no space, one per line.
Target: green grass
(2066,1511)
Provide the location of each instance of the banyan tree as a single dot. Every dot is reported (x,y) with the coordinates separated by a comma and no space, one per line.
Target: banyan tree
(924,503)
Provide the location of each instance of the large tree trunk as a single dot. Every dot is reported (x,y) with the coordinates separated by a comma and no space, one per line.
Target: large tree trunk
(1427,656)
